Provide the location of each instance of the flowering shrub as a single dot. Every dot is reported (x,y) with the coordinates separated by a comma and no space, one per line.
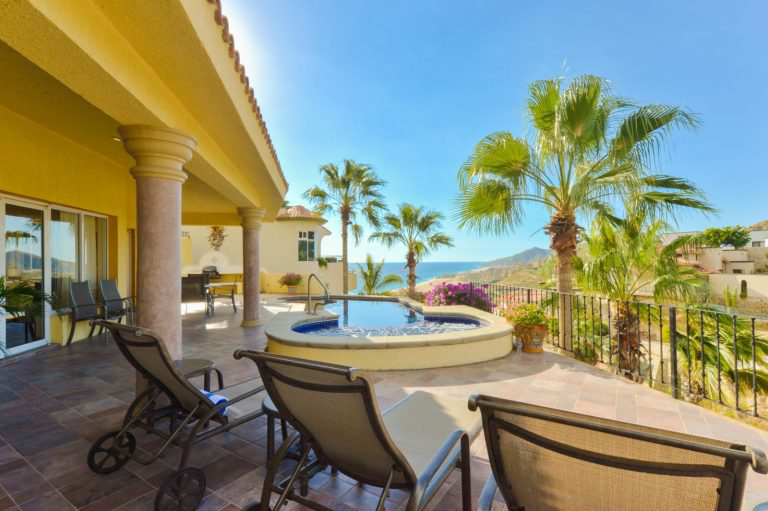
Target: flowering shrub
(459,294)
(525,315)
(290,279)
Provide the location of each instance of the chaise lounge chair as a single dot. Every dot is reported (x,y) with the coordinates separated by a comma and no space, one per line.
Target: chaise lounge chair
(413,446)
(187,415)
(543,458)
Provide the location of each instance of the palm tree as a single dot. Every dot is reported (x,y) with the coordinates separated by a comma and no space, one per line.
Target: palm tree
(705,347)
(373,276)
(588,149)
(417,230)
(620,259)
(353,192)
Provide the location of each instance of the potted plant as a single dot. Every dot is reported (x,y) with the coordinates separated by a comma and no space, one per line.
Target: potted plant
(531,326)
(21,299)
(291,281)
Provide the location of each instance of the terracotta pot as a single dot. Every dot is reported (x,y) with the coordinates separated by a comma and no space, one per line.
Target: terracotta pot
(532,337)
(292,290)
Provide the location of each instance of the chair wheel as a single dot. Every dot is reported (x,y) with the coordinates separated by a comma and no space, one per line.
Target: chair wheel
(256,506)
(104,458)
(181,491)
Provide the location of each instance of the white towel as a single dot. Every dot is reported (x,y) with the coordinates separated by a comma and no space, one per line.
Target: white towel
(216,399)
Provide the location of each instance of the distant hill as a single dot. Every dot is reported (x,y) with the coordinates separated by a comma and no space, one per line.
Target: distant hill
(759,226)
(526,256)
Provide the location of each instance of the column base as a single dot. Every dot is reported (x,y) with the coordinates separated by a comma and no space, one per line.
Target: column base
(251,323)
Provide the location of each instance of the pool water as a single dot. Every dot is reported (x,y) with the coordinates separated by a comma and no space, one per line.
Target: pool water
(363,318)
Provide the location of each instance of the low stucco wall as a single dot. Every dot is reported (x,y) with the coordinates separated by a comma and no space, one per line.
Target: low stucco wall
(757,284)
(331,277)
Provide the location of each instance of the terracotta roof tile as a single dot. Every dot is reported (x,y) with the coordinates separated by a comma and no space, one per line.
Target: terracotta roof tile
(240,69)
(295,212)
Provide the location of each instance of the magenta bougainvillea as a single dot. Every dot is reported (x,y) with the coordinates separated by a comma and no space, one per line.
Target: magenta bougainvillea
(459,294)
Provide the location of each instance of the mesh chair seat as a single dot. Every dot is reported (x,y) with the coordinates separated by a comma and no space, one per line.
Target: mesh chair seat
(422,422)
(413,446)
(173,409)
(544,458)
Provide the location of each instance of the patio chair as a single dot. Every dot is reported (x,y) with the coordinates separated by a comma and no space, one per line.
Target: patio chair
(116,307)
(226,291)
(413,446)
(543,458)
(194,289)
(84,306)
(190,415)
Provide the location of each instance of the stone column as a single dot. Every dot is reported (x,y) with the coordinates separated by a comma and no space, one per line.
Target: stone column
(159,154)
(251,222)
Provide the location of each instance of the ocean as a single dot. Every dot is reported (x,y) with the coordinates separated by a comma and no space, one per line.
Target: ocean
(424,271)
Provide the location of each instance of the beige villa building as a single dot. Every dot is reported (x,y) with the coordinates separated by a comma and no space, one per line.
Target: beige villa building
(115,132)
(743,270)
(292,244)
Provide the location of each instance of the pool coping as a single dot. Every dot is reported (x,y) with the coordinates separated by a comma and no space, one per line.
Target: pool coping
(280,329)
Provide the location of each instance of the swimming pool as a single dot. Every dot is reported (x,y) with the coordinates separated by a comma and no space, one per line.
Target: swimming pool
(369,318)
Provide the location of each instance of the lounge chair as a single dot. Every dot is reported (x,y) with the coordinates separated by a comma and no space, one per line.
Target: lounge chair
(543,458)
(116,307)
(84,306)
(173,409)
(413,446)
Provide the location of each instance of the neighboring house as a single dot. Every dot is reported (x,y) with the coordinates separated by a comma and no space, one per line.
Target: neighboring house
(292,243)
(744,270)
(119,122)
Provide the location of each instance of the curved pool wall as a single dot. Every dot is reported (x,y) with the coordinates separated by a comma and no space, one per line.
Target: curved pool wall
(491,340)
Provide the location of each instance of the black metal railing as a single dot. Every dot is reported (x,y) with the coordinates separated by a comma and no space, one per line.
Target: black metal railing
(700,353)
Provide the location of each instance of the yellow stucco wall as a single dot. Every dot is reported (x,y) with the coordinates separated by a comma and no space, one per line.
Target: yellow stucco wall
(38,164)
(269,284)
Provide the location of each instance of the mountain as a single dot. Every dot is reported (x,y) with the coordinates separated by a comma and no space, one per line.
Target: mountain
(759,226)
(526,256)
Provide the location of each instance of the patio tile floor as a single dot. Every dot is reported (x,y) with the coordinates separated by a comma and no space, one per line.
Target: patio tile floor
(52,406)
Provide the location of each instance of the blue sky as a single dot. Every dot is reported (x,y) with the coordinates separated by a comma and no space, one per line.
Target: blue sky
(411,86)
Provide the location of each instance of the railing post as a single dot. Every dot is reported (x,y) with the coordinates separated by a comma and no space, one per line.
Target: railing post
(673,352)
(528,297)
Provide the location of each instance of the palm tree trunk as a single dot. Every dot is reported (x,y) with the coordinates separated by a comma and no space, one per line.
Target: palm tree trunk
(628,335)
(564,232)
(411,263)
(344,262)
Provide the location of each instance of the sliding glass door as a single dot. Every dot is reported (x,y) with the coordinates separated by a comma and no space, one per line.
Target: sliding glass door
(25,268)
(45,248)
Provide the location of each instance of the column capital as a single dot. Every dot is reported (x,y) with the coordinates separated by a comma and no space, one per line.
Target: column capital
(250,217)
(159,152)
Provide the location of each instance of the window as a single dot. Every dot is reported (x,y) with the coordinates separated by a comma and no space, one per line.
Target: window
(736,270)
(94,251)
(306,246)
(65,257)
(757,243)
(78,252)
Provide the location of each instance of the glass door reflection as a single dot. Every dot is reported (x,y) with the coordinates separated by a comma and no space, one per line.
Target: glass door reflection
(24,321)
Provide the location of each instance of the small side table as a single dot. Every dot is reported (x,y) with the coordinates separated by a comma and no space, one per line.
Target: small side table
(191,367)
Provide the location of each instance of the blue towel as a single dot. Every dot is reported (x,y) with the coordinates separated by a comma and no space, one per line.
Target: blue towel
(216,400)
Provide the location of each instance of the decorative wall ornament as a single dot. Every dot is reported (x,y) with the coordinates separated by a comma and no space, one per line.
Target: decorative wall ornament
(216,236)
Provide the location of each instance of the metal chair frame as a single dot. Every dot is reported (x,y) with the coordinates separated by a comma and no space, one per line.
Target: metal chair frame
(186,426)
(422,489)
(76,308)
(732,476)
(124,304)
